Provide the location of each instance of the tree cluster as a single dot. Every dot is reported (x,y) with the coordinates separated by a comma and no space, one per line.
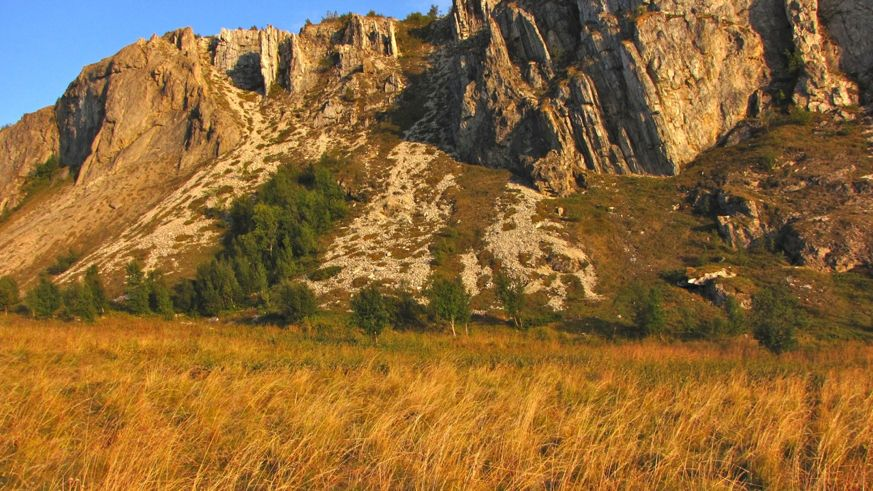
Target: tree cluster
(84,300)
(270,237)
(448,302)
(146,293)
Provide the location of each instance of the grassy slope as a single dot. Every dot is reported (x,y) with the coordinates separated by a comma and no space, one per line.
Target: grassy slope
(637,229)
(140,403)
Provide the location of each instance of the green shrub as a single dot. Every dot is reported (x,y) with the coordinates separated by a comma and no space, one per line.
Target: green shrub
(43,300)
(800,117)
(325,273)
(794,62)
(63,263)
(650,319)
(217,288)
(79,303)
(768,159)
(445,246)
(409,313)
(737,323)
(9,294)
(449,302)
(184,297)
(136,289)
(371,311)
(95,285)
(160,298)
(512,297)
(270,236)
(42,175)
(294,302)
(776,317)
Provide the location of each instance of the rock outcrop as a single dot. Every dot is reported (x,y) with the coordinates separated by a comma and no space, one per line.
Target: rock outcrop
(820,87)
(165,124)
(147,105)
(22,147)
(848,25)
(813,204)
(251,57)
(262,60)
(739,219)
(556,88)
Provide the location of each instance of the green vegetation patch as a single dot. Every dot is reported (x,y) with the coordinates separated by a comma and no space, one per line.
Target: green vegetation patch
(269,237)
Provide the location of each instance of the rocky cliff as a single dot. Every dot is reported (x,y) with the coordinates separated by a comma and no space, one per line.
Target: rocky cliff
(263,60)
(22,147)
(149,105)
(558,88)
(170,129)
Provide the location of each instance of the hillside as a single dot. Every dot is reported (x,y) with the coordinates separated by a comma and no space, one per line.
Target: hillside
(587,147)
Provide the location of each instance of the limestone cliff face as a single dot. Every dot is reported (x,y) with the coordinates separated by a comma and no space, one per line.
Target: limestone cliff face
(22,147)
(147,105)
(261,60)
(557,88)
(820,85)
(553,89)
(848,24)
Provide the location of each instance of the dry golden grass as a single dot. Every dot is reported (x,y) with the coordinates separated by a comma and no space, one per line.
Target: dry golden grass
(130,403)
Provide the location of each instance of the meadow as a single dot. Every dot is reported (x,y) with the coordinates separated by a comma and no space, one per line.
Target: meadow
(132,403)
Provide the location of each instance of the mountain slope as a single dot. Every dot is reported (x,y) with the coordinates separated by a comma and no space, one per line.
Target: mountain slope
(158,139)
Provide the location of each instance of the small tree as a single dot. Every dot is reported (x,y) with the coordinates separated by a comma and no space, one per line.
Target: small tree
(160,300)
(371,311)
(510,293)
(737,322)
(650,318)
(217,287)
(95,285)
(408,312)
(9,294)
(79,303)
(184,296)
(449,302)
(44,299)
(136,289)
(776,316)
(294,302)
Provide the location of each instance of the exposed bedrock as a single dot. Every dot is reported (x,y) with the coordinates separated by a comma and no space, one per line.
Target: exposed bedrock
(150,104)
(559,87)
(23,146)
(265,59)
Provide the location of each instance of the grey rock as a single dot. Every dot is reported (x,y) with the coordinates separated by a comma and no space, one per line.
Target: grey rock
(555,88)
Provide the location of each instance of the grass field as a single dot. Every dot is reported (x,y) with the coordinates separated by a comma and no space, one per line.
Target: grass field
(136,403)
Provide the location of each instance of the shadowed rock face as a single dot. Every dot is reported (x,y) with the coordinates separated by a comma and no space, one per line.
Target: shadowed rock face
(22,147)
(557,88)
(848,23)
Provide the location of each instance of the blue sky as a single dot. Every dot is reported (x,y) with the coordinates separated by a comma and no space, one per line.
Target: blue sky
(44,44)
